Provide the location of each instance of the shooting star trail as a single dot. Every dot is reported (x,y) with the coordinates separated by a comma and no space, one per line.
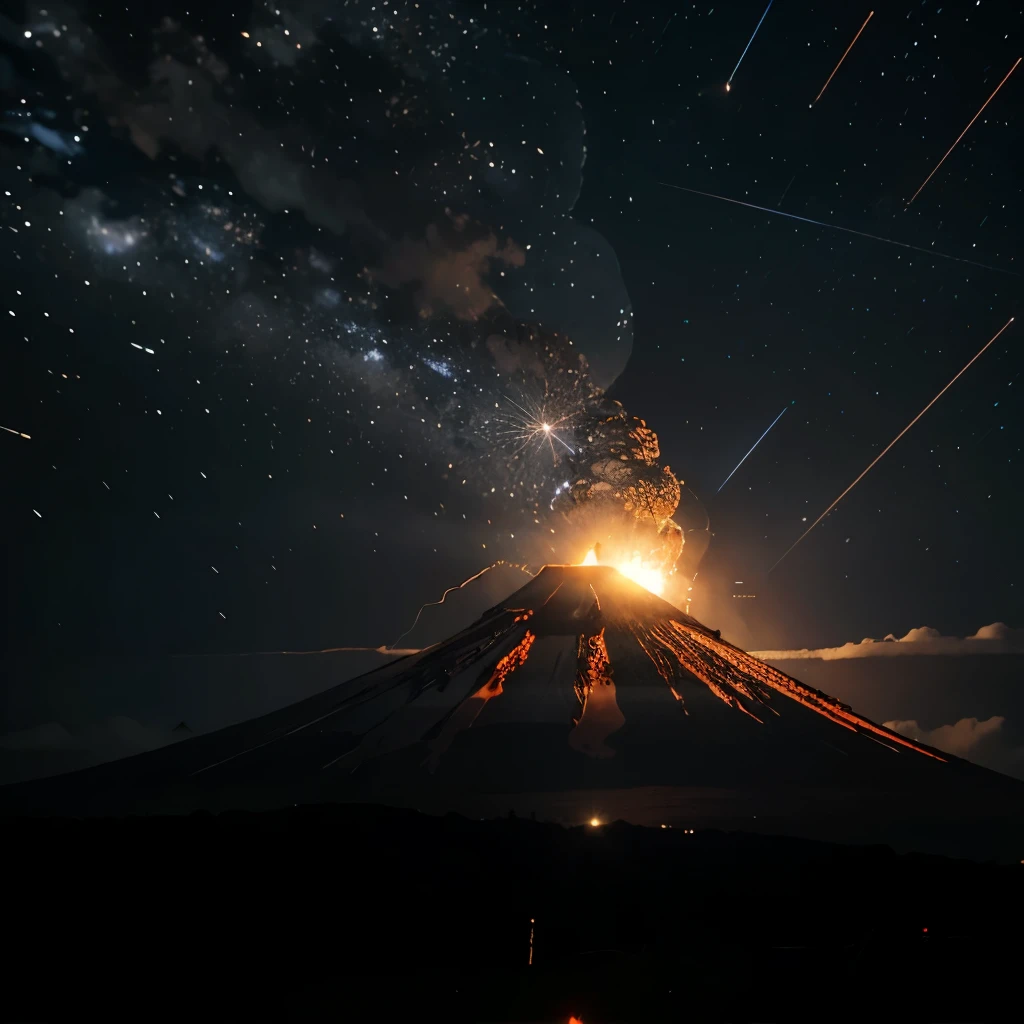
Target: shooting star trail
(841,59)
(17,433)
(839,227)
(962,134)
(728,84)
(881,454)
(756,443)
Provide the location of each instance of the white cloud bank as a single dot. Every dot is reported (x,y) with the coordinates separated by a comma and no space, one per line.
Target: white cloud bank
(995,639)
(960,738)
(984,741)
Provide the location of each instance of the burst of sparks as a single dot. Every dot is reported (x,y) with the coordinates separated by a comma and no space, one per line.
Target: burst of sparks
(527,426)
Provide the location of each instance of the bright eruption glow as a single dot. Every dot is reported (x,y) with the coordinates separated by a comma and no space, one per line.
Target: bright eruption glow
(649,577)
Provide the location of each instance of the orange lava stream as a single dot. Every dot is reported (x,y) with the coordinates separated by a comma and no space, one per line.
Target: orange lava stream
(468,710)
(816,700)
(595,689)
(731,674)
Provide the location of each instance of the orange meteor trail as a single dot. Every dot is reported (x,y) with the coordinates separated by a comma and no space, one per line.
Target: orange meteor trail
(878,458)
(962,134)
(841,59)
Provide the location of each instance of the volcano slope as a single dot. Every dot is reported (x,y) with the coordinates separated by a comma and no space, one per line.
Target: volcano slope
(581,697)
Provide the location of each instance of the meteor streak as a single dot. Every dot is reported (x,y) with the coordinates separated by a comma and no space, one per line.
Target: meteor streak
(747,47)
(841,59)
(962,134)
(879,457)
(839,227)
(756,443)
(17,433)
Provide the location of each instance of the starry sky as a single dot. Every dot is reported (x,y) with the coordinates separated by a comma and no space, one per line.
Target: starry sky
(264,265)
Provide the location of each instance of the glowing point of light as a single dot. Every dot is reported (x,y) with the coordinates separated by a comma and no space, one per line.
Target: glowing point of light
(546,427)
(590,559)
(594,822)
(728,87)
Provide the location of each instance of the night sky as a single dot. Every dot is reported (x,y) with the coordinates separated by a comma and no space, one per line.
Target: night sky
(251,261)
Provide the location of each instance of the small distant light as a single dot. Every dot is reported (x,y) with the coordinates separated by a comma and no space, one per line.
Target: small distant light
(924,931)
(547,428)
(594,822)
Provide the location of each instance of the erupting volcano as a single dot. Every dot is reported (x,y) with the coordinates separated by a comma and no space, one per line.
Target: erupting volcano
(582,696)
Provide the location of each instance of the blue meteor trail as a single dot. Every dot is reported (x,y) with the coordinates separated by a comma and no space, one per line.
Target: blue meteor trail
(747,47)
(839,227)
(756,443)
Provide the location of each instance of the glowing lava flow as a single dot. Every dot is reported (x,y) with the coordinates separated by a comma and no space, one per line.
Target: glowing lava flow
(635,569)
(467,712)
(736,677)
(595,690)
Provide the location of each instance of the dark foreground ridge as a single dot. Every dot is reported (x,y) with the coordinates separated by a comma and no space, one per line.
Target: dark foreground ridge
(368,913)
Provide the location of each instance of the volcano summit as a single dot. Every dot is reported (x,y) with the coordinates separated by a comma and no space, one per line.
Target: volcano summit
(582,697)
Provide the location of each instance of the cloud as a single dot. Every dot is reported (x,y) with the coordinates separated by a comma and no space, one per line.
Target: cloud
(960,738)
(182,109)
(447,276)
(990,742)
(997,638)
